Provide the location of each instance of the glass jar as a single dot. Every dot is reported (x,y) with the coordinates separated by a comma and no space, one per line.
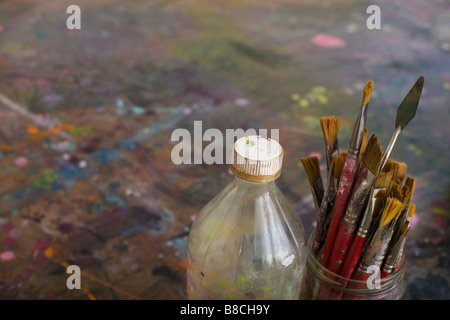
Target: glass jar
(247,242)
(321,284)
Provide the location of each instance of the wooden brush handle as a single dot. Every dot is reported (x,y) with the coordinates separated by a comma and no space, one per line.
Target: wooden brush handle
(342,195)
(351,218)
(354,253)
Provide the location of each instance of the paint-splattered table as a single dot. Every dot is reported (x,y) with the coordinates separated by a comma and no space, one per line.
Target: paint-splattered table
(86,117)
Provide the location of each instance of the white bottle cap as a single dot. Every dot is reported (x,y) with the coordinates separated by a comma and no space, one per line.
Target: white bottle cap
(257,159)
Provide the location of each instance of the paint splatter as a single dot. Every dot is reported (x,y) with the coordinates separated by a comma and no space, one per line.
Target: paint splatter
(328,41)
(45,182)
(241,102)
(7,255)
(20,161)
(316,154)
(137,110)
(414,221)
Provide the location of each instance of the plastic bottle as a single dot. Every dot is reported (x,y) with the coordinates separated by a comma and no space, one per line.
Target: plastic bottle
(248,242)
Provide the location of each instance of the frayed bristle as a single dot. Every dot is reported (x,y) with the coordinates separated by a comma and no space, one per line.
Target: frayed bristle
(390,212)
(388,166)
(406,194)
(411,183)
(399,168)
(339,164)
(383,179)
(311,165)
(368,88)
(397,192)
(330,129)
(401,172)
(373,154)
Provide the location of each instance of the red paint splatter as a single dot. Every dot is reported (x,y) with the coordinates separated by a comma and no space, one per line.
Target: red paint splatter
(328,41)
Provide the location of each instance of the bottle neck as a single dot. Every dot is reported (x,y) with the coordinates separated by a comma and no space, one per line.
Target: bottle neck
(254,186)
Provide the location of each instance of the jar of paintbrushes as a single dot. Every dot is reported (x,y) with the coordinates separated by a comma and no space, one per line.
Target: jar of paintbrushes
(364,211)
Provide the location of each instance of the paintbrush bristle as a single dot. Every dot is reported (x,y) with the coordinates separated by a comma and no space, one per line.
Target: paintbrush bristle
(397,192)
(383,179)
(388,166)
(330,129)
(405,228)
(412,209)
(363,144)
(367,92)
(339,164)
(311,165)
(411,183)
(406,194)
(399,168)
(381,194)
(372,155)
(391,210)
(400,174)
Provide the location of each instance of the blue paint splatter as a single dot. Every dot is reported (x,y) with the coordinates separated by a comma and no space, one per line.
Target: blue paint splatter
(137,110)
(106,155)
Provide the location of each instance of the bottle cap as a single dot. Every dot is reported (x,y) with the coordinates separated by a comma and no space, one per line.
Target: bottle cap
(257,159)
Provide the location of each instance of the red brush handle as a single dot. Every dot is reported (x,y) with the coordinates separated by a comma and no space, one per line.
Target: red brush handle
(354,253)
(349,221)
(384,274)
(342,195)
(361,276)
(341,245)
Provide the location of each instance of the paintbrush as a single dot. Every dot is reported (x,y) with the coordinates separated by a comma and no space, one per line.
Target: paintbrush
(330,129)
(395,253)
(408,190)
(365,178)
(348,174)
(376,250)
(405,113)
(411,210)
(363,144)
(338,166)
(312,169)
(354,253)
(322,215)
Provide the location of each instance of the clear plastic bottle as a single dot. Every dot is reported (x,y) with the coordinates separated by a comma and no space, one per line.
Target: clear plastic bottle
(248,242)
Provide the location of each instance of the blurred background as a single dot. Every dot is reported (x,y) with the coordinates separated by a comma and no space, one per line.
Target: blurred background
(86,118)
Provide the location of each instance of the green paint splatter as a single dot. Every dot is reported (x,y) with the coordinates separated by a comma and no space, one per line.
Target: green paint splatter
(45,182)
(14,212)
(295,97)
(440,211)
(413,148)
(81,130)
(304,103)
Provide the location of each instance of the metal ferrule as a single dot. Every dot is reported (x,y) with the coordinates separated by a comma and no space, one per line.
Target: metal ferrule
(394,255)
(358,133)
(318,193)
(332,152)
(358,199)
(375,251)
